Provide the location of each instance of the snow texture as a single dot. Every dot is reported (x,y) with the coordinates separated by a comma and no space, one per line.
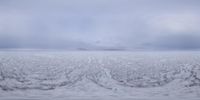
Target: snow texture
(99,75)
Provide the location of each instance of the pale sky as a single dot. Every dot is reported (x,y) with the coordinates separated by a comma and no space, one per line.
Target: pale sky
(100,24)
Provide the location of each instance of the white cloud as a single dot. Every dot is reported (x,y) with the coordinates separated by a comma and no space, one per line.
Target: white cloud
(176,23)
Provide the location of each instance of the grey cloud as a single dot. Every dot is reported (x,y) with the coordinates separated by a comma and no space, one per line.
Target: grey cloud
(99,24)
(184,41)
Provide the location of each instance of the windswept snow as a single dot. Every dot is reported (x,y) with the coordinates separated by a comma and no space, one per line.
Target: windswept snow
(100,75)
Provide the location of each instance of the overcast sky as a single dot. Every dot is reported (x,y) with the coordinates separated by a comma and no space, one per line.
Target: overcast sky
(95,24)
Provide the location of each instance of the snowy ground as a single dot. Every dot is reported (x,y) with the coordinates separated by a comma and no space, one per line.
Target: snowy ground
(39,75)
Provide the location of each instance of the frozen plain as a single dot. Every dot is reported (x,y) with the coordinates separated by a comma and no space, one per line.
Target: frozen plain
(99,75)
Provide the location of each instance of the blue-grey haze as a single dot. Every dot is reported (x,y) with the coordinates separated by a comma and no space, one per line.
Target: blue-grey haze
(100,24)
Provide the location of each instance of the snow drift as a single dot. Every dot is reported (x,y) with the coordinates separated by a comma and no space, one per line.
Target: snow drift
(100,74)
